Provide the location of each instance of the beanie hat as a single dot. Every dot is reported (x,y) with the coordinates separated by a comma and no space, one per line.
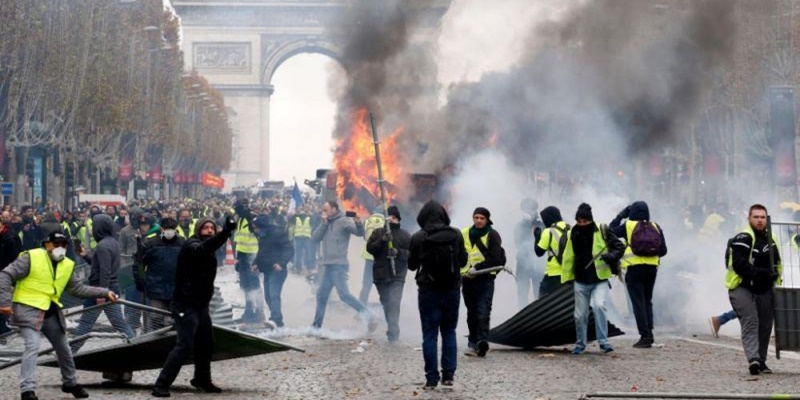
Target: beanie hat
(485,212)
(393,211)
(584,212)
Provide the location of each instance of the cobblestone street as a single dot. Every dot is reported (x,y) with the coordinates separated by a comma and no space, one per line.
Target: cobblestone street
(342,362)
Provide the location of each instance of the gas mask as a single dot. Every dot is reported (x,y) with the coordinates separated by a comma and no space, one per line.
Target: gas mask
(58,253)
(169,234)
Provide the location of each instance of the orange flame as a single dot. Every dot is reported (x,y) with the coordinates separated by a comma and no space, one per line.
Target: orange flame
(357,170)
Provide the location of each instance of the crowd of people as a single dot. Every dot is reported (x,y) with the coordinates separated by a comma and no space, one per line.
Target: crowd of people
(168,253)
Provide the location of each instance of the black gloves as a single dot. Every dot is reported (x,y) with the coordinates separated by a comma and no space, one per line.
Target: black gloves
(608,259)
(230,225)
(537,234)
(625,213)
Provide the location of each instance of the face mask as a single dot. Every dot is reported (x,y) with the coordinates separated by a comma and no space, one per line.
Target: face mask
(185,221)
(394,225)
(169,233)
(58,254)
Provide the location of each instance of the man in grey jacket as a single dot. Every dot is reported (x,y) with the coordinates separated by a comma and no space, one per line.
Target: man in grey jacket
(105,262)
(334,234)
(36,311)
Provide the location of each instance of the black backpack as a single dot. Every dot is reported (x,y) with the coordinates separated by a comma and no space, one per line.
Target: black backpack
(438,261)
(562,241)
(646,240)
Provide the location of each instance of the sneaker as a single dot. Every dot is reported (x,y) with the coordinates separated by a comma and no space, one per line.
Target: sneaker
(483,348)
(755,368)
(207,387)
(577,350)
(269,324)
(764,369)
(714,322)
(430,385)
(470,352)
(29,395)
(372,324)
(606,348)
(160,392)
(643,344)
(76,391)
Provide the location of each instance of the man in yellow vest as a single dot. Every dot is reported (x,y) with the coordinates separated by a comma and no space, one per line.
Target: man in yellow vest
(246,251)
(373,222)
(485,250)
(754,269)
(304,257)
(185,224)
(590,254)
(643,252)
(39,277)
(547,242)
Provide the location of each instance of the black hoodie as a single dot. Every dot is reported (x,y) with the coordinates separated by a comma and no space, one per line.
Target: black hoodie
(197,267)
(435,225)
(106,256)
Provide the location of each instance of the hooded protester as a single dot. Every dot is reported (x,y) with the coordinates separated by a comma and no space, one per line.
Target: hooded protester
(528,273)
(373,222)
(159,261)
(275,250)
(485,249)
(194,287)
(548,241)
(334,235)
(640,269)
(590,258)
(105,261)
(390,280)
(437,254)
(39,277)
(246,251)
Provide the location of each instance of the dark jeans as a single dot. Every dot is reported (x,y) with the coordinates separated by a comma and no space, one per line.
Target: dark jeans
(366,282)
(250,284)
(195,337)
(304,255)
(113,313)
(273,286)
(438,312)
(640,280)
(478,295)
(133,315)
(391,295)
(4,324)
(335,276)
(549,285)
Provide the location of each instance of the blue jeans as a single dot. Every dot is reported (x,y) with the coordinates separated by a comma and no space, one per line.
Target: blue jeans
(304,255)
(596,295)
(438,312)
(334,275)
(273,286)
(726,317)
(54,332)
(249,283)
(133,315)
(88,318)
(366,282)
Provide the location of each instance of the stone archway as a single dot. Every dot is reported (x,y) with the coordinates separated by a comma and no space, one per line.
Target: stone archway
(238,45)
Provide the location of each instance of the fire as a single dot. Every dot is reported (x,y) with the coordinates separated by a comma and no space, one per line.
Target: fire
(357,170)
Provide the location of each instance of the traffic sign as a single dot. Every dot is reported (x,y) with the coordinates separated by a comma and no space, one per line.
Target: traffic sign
(7,188)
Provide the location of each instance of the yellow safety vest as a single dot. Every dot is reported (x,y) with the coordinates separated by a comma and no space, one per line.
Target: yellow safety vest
(302,227)
(732,279)
(549,242)
(92,242)
(474,255)
(245,240)
(568,261)
(629,258)
(187,235)
(42,286)
(374,221)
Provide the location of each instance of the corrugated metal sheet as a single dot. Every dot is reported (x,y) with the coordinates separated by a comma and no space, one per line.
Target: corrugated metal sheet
(547,321)
(787,319)
(151,353)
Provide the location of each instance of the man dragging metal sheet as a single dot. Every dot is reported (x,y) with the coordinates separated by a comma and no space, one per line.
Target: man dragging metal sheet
(36,308)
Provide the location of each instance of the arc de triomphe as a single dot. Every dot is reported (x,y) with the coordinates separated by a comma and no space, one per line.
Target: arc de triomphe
(238,44)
